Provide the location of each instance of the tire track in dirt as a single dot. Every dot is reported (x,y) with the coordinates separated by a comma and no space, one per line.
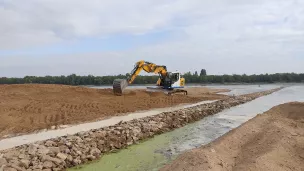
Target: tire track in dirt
(29,107)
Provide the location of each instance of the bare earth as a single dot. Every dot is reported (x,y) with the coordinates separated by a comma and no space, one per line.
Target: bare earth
(30,107)
(270,141)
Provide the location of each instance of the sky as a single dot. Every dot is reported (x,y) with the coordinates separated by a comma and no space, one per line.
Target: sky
(101,37)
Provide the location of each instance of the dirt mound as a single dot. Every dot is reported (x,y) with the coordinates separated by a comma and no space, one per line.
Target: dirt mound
(271,141)
(28,107)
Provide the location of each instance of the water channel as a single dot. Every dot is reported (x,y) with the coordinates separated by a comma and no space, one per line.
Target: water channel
(152,154)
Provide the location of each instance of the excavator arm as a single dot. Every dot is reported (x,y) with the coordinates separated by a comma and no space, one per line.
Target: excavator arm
(147,67)
(120,84)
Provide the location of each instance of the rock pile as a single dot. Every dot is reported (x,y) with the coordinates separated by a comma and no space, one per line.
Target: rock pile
(68,151)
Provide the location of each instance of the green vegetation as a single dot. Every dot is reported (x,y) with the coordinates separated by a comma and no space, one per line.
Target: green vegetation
(148,155)
(136,157)
(190,78)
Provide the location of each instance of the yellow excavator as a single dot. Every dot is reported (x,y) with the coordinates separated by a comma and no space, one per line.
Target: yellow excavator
(168,82)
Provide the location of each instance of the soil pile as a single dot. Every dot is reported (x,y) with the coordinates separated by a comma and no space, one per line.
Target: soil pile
(270,141)
(29,107)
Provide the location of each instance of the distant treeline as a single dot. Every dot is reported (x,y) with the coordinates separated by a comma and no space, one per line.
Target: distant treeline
(190,78)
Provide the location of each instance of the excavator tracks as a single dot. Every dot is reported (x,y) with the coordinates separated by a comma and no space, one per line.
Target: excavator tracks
(167,91)
(176,91)
(119,85)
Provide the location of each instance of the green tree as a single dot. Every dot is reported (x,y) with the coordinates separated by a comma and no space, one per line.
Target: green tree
(203,72)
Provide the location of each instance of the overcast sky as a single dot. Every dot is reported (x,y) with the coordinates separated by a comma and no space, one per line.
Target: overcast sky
(103,37)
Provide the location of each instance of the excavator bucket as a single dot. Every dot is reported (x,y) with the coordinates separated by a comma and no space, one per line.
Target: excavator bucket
(119,85)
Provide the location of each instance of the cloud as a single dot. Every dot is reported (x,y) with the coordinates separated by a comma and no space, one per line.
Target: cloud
(36,22)
(223,36)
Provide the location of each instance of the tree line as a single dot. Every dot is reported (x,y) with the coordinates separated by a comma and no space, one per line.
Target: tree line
(203,78)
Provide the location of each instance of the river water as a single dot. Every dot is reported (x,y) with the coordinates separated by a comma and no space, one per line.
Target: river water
(152,154)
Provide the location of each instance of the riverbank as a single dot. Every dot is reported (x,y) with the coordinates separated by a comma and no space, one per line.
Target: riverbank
(270,141)
(68,151)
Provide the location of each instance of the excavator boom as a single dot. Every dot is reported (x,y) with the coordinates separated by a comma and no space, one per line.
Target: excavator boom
(120,84)
(147,67)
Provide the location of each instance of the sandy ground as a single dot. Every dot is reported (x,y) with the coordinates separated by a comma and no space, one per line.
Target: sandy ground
(270,141)
(15,141)
(26,108)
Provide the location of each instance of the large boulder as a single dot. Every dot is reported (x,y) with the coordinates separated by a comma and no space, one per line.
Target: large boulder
(3,162)
(32,149)
(47,164)
(62,156)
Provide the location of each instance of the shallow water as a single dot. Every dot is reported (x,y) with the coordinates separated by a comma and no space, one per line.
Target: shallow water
(154,153)
(244,89)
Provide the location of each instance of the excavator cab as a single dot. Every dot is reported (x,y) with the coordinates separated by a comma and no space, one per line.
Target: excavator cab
(171,80)
(176,80)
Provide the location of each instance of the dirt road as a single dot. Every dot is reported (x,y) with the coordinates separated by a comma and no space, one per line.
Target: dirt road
(271,141)
(26,108)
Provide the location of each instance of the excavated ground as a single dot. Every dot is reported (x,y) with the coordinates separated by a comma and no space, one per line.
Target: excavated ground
(29,107)
(72,150)
(271,141)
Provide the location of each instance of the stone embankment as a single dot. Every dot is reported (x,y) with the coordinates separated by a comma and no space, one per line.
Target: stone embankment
(72,150)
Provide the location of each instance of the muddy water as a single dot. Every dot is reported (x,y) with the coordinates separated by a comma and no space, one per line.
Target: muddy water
(154,153)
